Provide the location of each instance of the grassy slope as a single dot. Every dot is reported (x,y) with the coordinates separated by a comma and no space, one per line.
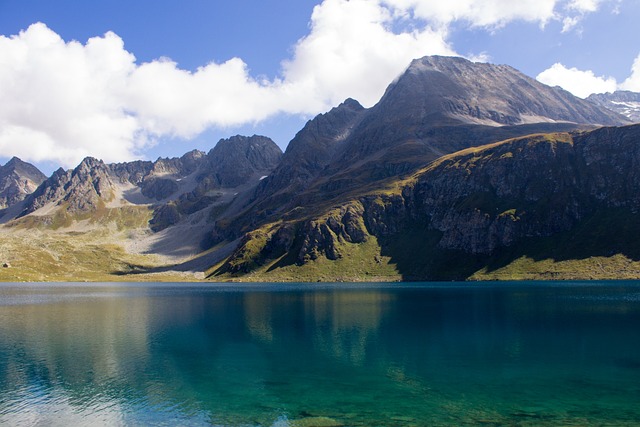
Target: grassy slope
(361,262)
(602,246)
(87,248)
(574,255)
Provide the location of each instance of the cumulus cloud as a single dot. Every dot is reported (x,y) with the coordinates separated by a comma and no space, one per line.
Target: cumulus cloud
(583,83)
(578,82)
(351,52)
(63,100)
(633,82)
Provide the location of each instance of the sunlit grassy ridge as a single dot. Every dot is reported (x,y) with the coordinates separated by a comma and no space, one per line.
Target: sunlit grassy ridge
(361,262)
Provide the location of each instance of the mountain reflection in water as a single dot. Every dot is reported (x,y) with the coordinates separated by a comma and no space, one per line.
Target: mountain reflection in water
(349,354)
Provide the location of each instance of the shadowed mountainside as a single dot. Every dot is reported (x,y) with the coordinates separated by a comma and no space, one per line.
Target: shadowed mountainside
(438,106)
(481,212)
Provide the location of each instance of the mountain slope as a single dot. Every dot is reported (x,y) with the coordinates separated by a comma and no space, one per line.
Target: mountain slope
(438,106)
(18,179)
(144,216)
(551,202)
(437,92)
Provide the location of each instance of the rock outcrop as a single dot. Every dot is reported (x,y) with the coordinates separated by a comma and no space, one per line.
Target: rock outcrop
(239,159)
(309,153)
(81,190)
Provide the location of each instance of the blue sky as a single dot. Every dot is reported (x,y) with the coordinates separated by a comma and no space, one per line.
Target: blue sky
(120,80)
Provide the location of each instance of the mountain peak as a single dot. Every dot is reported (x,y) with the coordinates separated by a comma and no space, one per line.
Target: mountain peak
(14,161)
(18,179)
(453,88)
(236,160)
(351,103)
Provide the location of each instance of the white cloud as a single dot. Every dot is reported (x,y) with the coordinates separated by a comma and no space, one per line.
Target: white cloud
(584,6)
(578,82)
(577,10)
(569,23)
(479,13)
(62,101)
(633,82)
(351,52)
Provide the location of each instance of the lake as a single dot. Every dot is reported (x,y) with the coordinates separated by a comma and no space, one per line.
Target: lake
(522,354)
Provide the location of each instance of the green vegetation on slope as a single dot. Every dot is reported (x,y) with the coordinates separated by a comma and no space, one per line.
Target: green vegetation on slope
(87,247)
(360,262)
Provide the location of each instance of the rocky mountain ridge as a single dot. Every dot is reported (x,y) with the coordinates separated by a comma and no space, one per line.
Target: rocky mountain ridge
(93,183)
(623,102)
(458,160)
(475,205)
(438,106)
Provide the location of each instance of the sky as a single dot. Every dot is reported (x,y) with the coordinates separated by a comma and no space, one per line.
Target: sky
(139,79)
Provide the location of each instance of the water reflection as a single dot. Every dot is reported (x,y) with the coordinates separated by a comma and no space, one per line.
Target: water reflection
(341,324)
(233,356)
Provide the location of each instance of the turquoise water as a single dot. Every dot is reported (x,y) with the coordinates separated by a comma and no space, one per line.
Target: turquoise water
(517,354)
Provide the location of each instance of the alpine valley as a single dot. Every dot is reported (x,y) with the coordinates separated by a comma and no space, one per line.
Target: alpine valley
(462,171)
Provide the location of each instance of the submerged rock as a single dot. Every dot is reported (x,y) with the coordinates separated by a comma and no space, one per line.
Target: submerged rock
(316,422)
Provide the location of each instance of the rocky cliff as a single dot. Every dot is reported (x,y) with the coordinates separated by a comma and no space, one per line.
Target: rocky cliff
(80,190)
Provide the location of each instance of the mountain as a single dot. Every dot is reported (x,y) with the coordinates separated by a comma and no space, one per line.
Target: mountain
(560,205)
(17,180)
(461,170)
(82,189)
(230,168)
(623,102)
(443,104)
(231,163)
(438,106)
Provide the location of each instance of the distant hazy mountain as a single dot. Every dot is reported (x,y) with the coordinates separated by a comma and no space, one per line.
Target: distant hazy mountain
(623,102)
(17,180)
